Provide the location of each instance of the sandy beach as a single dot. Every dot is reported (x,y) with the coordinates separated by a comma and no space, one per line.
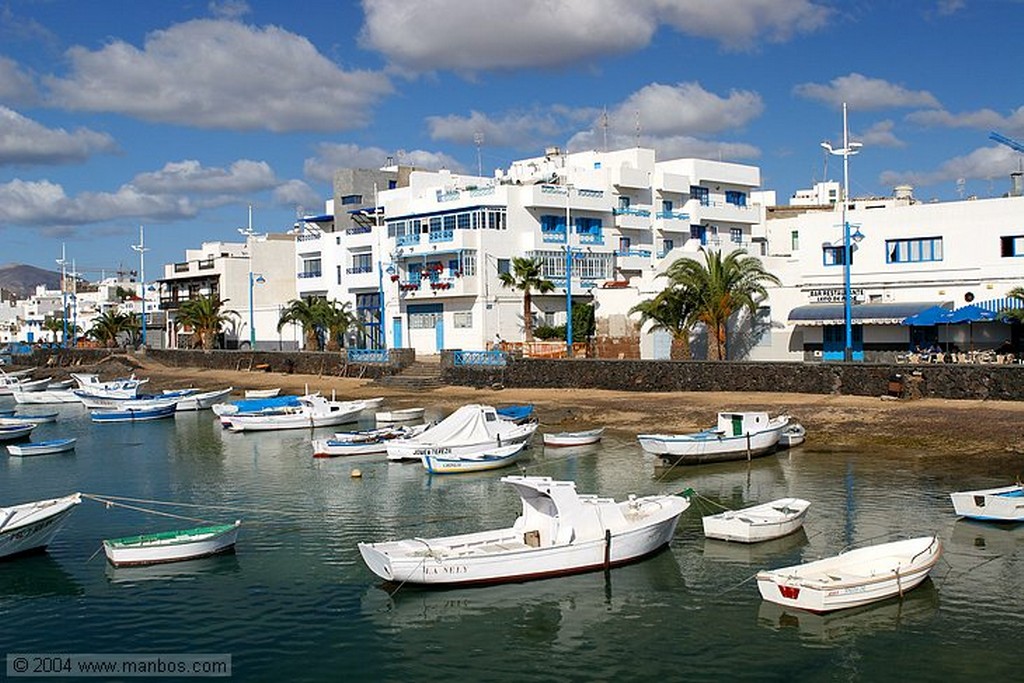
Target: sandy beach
(928,427)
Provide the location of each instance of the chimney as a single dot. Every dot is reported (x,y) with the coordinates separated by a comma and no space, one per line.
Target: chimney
(1016,184)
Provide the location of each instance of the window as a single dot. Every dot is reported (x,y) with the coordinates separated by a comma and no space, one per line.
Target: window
(362,263)
(624,243)
(736,235)
(462,221)
(833,256)
(666,206)
(735,198)
(462,320)
(392,184)
(552,224)
(504,266)
(794,240)
(1011,246)
(449,222)
(311,267)
(339,274)
(667,245)
(699,232)
(700,194)
(913,250)
(424,321)
(352,199)
(469,263)
(623,202)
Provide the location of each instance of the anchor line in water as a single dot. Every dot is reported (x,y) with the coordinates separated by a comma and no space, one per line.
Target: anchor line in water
(172,503)
(113,503)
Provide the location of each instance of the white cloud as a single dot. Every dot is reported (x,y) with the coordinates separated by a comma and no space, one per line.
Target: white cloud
(220,74)
(670,147)
(946,7)
(331,156)
(478,35)
(517,130)
(862,93)
(982,163)
(298,194)
(43,203)
(16,86)
(229,9)
(982,119)
(24,141)
(880,135)
(684,109)
(178,177)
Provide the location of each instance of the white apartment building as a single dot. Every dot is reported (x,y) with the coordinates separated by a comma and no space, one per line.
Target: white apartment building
(428,252)
(255,278)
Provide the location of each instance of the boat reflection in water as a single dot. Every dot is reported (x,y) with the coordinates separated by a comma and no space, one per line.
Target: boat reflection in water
(895,614)
(773,552)
(36,575)
(188,570)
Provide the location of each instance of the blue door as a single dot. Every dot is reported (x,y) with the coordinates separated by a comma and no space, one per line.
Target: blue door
(834,342)
(439,332)
(396,329)
(699,232)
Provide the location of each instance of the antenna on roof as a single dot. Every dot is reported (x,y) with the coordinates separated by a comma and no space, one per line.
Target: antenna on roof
(478,139)
(637,127)
(604,128)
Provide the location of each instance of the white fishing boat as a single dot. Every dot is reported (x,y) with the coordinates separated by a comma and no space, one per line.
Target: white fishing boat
(737,436)
(15,432)
(46,396)
(60,384)
(31,526)
(203,400)
(567,439)
(491,458)
(468,430)
(558,532)
(262,393)
(1000,504)
(853,578)
(400,415)
(362,443)
(34,384)
(21,418)
(313,411)
(42,447)
(10,383)
(171,546)
(792,436)
(757,523)
(136,411)
(123,387)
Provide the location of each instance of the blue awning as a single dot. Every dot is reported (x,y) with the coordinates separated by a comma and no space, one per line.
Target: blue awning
(928,317)
(876,313)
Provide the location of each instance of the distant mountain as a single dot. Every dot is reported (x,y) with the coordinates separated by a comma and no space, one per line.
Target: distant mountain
(22,279)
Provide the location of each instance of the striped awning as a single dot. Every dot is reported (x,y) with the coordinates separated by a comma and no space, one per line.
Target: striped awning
(997,305)
(877,313)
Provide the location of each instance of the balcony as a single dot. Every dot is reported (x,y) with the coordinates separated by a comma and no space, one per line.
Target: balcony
(725,212)
(632,259)
(407,240)
(553,196)
(632,218)
(442,236)
(309,274)
(673,216)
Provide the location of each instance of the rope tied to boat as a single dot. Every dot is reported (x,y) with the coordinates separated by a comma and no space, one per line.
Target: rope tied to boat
(110,503)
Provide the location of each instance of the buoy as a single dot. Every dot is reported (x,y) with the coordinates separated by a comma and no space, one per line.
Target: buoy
(356,474)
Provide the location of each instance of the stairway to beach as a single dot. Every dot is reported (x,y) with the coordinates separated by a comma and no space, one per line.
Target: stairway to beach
(422,375)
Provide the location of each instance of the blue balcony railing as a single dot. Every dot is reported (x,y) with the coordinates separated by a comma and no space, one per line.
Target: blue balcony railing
(591,238)
(673,215)
(406,240)
(367,355)
(442,235)
(642,253)
(479,359)
(631,211)
(310,273)
(354,270)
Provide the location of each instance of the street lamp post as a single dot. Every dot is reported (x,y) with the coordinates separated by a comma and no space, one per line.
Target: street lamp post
(254,278)
(142,249)
(568,274)
(846,151)
(63,295)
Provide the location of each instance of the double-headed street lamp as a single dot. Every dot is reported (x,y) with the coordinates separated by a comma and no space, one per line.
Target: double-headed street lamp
(142,249)
(568,274)
(254,278)
(846,151)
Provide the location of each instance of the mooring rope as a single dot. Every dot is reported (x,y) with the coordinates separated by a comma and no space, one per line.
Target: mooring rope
(112,503)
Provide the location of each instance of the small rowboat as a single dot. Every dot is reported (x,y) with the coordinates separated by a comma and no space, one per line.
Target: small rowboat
(561,439)
(14,432)
(203,400)
(262,393)
(853,578)
(487,459)
(792,436)
(171,546)
(32,525)
(146,411)
(402,415)
(363,443)
(38,418)
(42,447)
(1002,504)
(758,522)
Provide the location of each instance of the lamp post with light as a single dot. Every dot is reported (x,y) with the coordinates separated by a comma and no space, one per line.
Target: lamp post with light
(846,151)
(62,261)
(142,249)
(254,278)
(568,274)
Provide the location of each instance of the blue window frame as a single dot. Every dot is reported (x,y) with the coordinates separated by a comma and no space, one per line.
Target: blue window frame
(699,232)
(735,197)
(700,194)
(1012,245)
(552,223)
(736,235)
(833,256)
(666,206)
(915,250)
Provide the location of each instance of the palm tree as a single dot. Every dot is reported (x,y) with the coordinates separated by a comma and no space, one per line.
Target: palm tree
(719,288)
(337,319)
(110,325)
(205,315)
(526,276)
(308,314)
(53,324)
(1015,314)
(669,310)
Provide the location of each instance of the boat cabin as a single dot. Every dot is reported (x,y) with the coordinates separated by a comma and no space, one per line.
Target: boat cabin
(738,424)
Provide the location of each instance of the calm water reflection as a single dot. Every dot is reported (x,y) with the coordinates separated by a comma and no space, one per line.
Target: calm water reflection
(296,603)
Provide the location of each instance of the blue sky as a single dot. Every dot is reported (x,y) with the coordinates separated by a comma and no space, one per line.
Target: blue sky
(179,115)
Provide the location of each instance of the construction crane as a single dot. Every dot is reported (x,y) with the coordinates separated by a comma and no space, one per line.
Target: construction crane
(1009,142)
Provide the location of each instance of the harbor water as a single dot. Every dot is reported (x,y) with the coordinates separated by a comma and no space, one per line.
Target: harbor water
(296,603)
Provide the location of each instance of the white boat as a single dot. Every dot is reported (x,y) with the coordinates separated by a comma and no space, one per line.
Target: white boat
(132,411)
(737,436)
(566,439)
(124,387)
(10,383)
(559,532)
(33,384)
(262,393)
(42,447)
(401,415)
(15,432)
(792,436)
(853,578)
(203,400)
(490,458)
(362,443)
(96,401)
(758,522)
(171,546)
(45,397)
(313,411)
(1001,504)
(21,418)
(60,384)
(30,526)
(468,430)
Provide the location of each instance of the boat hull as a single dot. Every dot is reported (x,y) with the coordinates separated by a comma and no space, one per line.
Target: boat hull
(42,447)
(157,549)
(268,422)
(491,459)
(757,523)
(403,415)
(13,433)
(46,397)
(852,579)
(133,414)
(203,400)
(1002,504)
(710,446)
(33,525)
(525,563)
(568,439)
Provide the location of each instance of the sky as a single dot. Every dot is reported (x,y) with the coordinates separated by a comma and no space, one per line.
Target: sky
(178,116)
